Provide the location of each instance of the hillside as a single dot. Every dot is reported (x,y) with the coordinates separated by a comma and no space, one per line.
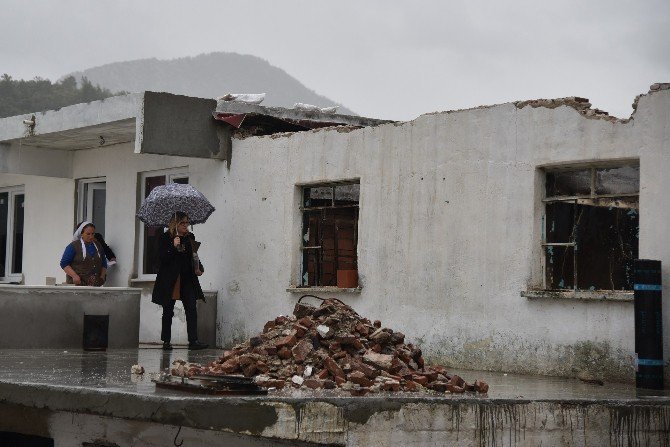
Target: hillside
(207,76)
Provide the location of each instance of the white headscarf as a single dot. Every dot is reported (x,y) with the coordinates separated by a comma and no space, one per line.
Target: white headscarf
(77,235)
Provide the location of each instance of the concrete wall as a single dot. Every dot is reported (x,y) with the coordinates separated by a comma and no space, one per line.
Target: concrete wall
(53,316)
(449,231)
(122,419)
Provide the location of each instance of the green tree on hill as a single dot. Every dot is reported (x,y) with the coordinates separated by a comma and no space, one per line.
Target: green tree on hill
(18,96)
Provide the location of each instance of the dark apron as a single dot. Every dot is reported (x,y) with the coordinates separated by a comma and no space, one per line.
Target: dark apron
(89,269)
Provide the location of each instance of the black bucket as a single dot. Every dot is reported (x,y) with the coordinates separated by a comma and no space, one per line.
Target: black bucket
(648,325)
(96,328)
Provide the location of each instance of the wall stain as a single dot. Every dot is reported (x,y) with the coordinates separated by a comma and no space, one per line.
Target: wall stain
(639,425)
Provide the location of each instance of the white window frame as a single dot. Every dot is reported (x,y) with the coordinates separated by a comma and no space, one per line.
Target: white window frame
(9,252)
(171,175)
(87,198)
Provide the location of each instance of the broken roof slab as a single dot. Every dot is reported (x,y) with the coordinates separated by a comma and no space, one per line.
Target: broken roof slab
(79,126)
(247,119)
(157,123)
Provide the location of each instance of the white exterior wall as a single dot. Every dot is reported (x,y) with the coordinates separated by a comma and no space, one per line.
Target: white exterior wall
(449,231)
(48,223)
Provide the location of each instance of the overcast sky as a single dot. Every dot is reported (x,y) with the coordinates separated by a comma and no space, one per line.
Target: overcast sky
(384,59)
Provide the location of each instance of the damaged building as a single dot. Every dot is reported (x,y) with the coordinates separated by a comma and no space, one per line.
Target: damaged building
(499,237)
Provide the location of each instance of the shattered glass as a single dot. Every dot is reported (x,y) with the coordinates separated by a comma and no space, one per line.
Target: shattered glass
(620,180)
(569,183)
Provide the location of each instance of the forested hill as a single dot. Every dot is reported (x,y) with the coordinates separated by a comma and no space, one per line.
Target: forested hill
(208,76)
(18,96)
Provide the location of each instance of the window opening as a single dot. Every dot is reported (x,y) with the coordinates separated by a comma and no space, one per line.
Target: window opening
(591,231)
(91,203)
(329,232)
(12,215)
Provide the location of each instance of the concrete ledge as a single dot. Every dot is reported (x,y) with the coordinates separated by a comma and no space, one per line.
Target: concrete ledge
(308,290)
(53,316)
(375,421)
(585,295)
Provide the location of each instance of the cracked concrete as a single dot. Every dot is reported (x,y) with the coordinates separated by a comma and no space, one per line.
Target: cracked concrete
(97,390)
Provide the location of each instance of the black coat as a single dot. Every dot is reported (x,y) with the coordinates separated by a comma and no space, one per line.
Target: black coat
(172,263)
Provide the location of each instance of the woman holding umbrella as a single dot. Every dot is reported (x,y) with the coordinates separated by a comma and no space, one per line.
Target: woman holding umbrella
(177,279)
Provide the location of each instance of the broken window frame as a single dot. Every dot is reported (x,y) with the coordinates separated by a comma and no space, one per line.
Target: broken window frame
(580,199)
(318,249)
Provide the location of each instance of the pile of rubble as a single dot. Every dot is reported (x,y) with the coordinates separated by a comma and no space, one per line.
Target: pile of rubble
(331,346)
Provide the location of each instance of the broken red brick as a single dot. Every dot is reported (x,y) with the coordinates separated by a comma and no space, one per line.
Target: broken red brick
(300,330)
(288,341)
(362,329)
(397,338)
(359,378)
(284,353)
(301,350)
(249,370)
(421,380)
(411,385)
(382,361)
(455,389)
(306,321)
(345,339)
(457,380)
(380,336)
(302,310)
(281,319)
(269,326)
(377,324)
(314,383)
(481,386)
(333,367)
(339,355)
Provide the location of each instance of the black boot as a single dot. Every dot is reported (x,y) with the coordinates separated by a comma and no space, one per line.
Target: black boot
(195,345)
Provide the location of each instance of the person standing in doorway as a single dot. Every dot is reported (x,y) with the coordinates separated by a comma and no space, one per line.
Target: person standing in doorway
(83,260)
(177,279)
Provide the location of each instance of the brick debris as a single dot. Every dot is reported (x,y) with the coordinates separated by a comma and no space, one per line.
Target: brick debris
(329,347)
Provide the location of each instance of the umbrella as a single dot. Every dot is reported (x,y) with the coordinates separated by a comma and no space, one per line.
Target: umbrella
(164,201)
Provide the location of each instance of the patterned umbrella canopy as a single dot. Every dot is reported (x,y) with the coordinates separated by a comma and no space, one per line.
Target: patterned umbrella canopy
(163,201)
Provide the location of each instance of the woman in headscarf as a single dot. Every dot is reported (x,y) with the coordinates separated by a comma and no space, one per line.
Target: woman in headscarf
(177,279)
(83,259)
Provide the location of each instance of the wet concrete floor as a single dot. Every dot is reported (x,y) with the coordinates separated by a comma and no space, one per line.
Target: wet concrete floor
(110,370)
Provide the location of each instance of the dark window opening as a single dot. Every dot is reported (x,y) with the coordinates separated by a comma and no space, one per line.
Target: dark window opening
(329,232)
(11,439)
(591,234)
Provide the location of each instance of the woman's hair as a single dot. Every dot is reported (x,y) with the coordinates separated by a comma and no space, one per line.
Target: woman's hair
(176,218)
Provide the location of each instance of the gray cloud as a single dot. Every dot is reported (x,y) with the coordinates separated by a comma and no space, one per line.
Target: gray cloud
(380,58)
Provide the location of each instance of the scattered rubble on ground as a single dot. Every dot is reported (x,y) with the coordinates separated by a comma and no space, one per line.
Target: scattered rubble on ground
(331,347)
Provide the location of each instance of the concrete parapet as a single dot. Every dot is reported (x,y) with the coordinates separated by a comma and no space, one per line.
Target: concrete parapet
(53,316)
